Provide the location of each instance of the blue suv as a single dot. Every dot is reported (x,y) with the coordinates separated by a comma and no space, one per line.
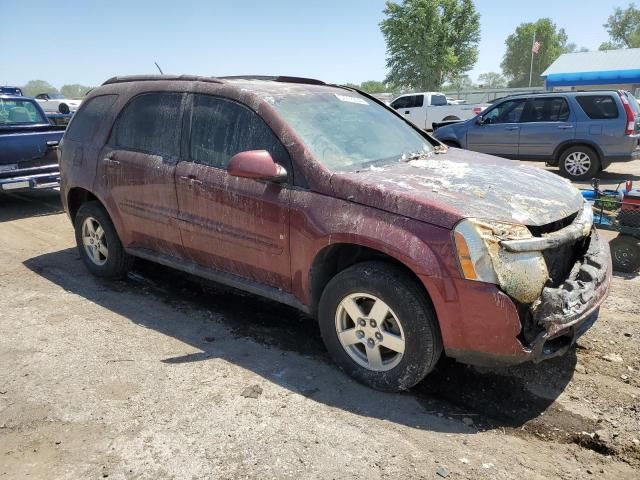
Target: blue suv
(580,132)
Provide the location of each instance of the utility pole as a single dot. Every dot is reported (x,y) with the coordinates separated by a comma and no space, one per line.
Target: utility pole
(531,67)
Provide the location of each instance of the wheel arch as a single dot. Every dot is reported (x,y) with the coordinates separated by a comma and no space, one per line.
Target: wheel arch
(564,146)
(76,197)
(334,258)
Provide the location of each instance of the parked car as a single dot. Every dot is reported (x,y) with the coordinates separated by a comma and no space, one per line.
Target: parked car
(323,198)
(580,132)
(57,103)
(6,90)
(428,108)
(455,101)
(28,144)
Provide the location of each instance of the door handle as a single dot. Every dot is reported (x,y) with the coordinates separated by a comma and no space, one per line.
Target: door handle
(565,127)
(110,161)
(407,112)
(192,180)
(511,129)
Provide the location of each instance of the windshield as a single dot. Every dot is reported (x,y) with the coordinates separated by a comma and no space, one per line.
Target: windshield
(346,131)
(19,112)
(55,95)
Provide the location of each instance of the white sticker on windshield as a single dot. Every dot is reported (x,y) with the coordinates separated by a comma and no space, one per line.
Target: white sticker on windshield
(346,98)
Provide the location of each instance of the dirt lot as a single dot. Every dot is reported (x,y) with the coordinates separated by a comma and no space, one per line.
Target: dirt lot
(153,377)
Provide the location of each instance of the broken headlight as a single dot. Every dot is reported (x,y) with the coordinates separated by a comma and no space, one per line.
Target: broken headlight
(522,275)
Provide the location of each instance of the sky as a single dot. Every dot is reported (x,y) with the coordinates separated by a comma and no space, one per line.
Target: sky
(86,42)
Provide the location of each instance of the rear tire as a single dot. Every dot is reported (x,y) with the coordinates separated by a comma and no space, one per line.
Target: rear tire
(579,163)
(625,253)
(98,242)
(394,341)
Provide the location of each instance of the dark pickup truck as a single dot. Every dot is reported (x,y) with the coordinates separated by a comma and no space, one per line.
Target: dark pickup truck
(28,145)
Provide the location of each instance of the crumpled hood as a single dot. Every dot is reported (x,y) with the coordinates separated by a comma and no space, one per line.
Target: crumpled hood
(442,189)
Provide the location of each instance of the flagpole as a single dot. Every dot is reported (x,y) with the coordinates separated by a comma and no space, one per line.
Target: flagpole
(531,67)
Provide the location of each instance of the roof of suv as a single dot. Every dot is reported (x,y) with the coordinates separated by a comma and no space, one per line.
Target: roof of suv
(264,86)
(198,78)
(572,92)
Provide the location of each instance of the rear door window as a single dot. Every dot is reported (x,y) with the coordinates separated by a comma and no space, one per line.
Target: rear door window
(546,110)
(598,107)
(150,123)
(220,128)
(91,118)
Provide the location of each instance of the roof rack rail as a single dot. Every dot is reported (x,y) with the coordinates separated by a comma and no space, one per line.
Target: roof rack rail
(275,78)
(197,78)
(147,78)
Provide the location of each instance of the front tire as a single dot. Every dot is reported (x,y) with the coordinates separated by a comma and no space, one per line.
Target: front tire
(379,326)
(63,108)
(98,242)
(579,163)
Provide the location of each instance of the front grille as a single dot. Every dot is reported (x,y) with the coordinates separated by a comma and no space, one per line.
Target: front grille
(538,231)
(560,260)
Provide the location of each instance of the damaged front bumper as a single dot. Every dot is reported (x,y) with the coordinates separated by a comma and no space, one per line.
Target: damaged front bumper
(567,311)
(513,333)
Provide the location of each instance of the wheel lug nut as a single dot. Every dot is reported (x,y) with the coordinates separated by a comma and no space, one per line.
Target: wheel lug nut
(363,322)
(360,334)
(372,323)
(370,342)
(378,335)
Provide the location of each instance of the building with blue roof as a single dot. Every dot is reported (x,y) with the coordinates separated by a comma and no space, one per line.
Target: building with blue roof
(610,69)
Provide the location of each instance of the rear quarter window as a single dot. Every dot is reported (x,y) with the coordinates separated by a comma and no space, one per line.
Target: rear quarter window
(91,118)
(598,107)
(438,100)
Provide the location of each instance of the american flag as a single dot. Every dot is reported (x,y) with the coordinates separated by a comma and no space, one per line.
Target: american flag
(536,47)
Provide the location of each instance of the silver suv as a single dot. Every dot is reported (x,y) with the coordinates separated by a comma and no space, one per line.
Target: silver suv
(580,132)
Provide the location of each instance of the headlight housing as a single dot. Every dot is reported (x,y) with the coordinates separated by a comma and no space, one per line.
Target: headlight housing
(521,275)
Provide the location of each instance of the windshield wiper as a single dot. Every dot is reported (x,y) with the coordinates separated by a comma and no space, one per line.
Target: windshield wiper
(420,154)
(440,149)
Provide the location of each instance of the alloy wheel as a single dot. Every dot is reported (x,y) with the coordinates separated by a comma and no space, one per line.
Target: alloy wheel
(94,241)
(370,332)
(577,163)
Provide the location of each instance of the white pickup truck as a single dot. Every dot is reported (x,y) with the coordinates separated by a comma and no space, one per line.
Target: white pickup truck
(426,108)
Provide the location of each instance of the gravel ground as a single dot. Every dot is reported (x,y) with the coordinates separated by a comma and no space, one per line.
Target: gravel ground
(162,375)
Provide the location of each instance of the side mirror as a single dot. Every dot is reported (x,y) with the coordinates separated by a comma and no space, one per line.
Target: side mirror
(256,164)
(479,120)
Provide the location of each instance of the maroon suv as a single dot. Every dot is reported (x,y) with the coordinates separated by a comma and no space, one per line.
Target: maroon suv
(323,198)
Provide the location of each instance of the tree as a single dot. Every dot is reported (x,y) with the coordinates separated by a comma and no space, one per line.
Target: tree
(374,86)
(516,61)
(461,82)
(573,48)
(609,46)
(34,87)
(74,90)
(492,80)
(623,28)
(429,42)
